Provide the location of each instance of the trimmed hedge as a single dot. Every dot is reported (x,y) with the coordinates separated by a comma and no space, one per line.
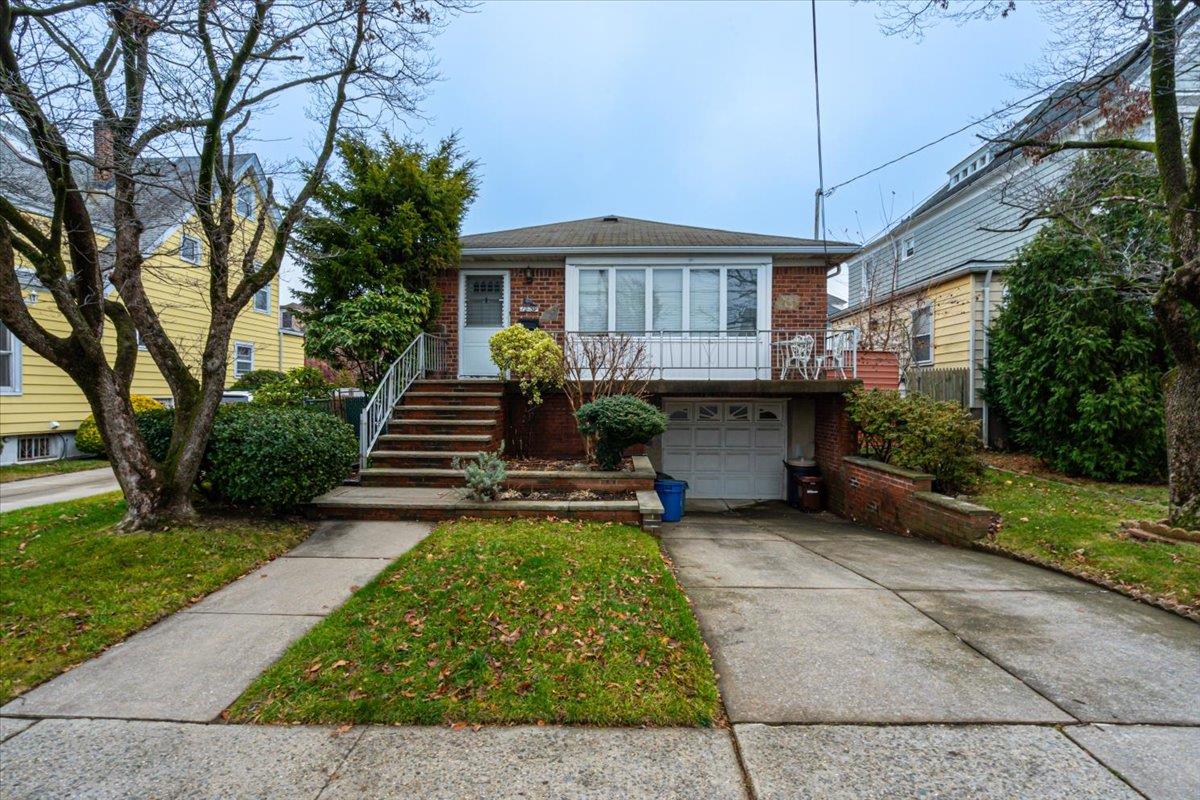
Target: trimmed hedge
(618,422)
(255,379)
(87,436)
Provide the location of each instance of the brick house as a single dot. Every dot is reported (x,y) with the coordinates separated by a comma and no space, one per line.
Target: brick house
(731,326)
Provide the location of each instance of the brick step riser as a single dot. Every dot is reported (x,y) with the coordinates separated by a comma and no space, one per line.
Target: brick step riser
(514,481)
(425,387)
(443,428)
(434,461)
(631,517)
(447,415)
(450,400)
(427,445)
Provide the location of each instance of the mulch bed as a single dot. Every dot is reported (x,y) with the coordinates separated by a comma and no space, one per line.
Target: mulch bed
(572,496)
(549,464)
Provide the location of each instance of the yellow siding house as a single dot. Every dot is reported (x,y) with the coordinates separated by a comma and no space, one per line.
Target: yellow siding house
(40,406)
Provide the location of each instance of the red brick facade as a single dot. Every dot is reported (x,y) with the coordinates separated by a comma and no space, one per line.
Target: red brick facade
(798,298)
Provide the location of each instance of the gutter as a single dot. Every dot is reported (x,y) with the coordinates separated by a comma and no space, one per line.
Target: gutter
(963,268)
(987,313)
(809,250)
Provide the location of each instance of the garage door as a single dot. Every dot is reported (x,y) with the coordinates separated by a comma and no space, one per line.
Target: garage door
(726,448)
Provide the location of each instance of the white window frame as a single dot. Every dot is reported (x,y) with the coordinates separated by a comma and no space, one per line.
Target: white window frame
(184,239)
(245,193)
(16,360)
(236,372)
(762,311)
(254,300)
(908,247)
(923,308)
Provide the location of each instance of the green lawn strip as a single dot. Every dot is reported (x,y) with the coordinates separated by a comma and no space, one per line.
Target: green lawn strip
(70,586)
(515,621)
(1075,527)
(20,472)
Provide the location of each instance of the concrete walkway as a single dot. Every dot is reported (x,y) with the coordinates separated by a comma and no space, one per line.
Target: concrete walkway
(859,664)
(853,665)
(56,488)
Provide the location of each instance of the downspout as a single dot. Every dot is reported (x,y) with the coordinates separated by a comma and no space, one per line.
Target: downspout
(987,315)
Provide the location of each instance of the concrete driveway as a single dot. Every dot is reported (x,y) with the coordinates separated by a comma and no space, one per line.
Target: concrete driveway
(56,488)
(860,664)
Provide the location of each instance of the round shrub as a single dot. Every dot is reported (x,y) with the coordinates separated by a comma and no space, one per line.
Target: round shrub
(919,433)
(530,357)
(292,389)
(277,458)
(619,422)
(255,379)
(87,437)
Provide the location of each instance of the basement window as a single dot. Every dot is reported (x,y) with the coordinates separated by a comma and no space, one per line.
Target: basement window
(34,448)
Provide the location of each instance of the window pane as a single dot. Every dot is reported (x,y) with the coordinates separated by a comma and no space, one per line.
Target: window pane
(593,300)
(704,300)
(484,301)
(920,349)
(741,299)
(631,300)
(7,376)
(262,299)
(668,299)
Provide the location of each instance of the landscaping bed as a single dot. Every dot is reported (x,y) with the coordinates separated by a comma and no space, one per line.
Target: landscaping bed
(1076,528)
(70,586)
(519,621)
(20,472)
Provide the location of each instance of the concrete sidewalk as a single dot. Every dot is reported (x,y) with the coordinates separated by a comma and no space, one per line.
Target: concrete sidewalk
(192,665)
(56,488)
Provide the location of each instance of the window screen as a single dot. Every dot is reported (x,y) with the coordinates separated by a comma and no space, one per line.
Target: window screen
(484,301)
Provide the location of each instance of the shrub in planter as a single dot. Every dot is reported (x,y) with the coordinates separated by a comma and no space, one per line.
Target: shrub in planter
(530,357)
(485,475)
(919,433)
(618,422)
(87,437)
(255,379)
(276,458)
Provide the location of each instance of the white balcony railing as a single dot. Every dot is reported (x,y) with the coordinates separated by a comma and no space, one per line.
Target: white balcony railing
(777,354)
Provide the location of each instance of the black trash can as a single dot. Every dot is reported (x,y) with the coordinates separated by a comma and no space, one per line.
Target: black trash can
(797,470)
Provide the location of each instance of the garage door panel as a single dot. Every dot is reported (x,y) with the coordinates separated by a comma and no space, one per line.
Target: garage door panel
(731,449)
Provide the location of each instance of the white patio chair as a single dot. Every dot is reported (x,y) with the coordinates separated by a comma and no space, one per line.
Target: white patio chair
(836,347)
(797,353)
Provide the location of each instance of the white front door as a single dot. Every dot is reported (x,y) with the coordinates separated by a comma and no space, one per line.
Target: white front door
(726,448)
(482,310)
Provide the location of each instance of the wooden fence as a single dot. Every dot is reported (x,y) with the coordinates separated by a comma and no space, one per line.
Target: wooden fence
(947,383)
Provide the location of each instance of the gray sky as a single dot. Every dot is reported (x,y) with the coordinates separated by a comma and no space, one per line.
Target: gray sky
(702,113)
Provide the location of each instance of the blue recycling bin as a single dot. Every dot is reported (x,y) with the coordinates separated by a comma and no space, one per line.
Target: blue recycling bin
(671,493)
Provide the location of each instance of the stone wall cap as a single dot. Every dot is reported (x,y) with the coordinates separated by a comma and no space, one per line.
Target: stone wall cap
(892,469)
(954,504)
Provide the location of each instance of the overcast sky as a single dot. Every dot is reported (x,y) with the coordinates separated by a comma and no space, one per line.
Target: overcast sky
(702,113)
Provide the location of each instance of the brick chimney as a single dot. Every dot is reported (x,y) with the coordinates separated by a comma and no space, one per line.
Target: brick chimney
(102,151)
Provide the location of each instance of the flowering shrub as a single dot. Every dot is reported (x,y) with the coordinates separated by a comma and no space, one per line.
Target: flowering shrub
(530,357)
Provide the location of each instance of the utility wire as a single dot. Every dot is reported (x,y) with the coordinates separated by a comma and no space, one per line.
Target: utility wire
(819,201)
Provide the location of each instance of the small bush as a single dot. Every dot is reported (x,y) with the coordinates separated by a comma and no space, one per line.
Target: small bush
(919,433)
(485,475)
(277,458)
(530,357)
(155,426)
(292,389)
(255,379)
(87,437)
(618,422)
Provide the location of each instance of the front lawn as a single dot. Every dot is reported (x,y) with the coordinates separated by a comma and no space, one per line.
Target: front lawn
(20,472)
(514,621)
(70,586)
(1075,527)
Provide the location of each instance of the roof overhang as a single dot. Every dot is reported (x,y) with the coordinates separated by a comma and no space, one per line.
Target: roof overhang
(806,250)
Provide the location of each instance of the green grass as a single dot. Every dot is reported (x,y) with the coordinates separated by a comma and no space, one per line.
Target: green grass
(20,472)
(70,586)
(515,621)
(1075,526)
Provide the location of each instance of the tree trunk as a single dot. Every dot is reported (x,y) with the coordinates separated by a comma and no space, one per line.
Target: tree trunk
(1182,411)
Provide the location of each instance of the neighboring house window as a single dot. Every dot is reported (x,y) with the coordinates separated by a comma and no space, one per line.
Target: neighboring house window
(10,362)
(262,299)
(140,342)
(866,278)
(243,358)
(922,335)
(189,249)
(244,202)
(908,248)
(668,299)
(287,320)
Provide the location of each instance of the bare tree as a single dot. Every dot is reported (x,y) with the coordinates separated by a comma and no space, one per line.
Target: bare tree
(157,80)
(1099,41)
(603,365)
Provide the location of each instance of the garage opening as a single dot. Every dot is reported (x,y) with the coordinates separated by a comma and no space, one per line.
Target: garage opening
(726,448)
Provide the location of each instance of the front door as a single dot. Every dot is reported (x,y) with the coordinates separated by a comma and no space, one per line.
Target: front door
(482,311)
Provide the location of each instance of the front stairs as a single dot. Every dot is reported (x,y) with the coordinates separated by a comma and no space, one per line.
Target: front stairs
(411,475)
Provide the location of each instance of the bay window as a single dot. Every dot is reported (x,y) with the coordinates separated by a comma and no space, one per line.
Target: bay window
(668,299)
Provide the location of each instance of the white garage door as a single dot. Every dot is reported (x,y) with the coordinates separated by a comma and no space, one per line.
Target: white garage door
(726,448)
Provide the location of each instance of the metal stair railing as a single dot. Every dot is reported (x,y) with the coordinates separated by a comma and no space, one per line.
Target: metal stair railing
(424,355)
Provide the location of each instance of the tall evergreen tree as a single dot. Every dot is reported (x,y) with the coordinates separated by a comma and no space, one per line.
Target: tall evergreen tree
(391,218)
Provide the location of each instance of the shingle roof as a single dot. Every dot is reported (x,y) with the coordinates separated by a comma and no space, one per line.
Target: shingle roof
(629,233)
